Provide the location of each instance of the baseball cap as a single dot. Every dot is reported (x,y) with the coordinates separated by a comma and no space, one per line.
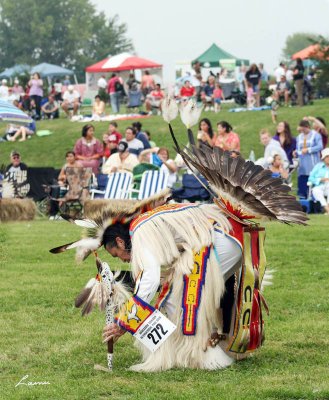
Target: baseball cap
(324,153)
(70,88)
(122,147)
(15,153)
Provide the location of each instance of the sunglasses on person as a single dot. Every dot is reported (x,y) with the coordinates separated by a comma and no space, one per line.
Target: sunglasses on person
(16,157)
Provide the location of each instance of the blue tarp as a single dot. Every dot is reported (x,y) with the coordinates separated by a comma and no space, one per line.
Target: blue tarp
(45,70)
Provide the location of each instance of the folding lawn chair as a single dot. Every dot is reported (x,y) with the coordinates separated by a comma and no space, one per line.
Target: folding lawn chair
(78,180)
(118,186)
(152,182)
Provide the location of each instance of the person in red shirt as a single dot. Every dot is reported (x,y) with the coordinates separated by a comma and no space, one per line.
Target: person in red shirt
(115,91)
(187,91)
(153,100)
(111,139)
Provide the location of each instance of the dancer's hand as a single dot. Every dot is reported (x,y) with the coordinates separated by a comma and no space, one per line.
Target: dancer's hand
(112,331)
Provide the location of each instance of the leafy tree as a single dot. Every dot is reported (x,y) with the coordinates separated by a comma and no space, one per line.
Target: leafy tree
(69,33)
(296,42)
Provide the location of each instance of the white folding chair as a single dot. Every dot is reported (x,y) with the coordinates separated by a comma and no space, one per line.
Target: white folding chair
(152,182)
(118,186)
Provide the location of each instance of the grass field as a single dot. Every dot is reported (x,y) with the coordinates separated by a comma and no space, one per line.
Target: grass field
(43,335)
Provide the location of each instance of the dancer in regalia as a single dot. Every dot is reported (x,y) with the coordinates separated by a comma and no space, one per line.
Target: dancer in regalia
(206,262)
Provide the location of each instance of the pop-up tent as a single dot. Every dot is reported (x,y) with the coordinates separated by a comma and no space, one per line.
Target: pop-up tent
(51,71)
(45,70)
(16,70)
(123,64)
(217,57)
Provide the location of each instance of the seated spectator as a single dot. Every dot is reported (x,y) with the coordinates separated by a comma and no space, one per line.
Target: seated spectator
(207,94)
(140,135)
(283,90)
(271,147)
(286,140)
(187,91)
(23,131)
(132,82)
(50,109)
(89,150)
(120,161)
(17,90)
(277,167)
(58,90)
(153,100)
(98,108)
(218,96)
(71,162)
(11,96)
(111,140)
(71,100)
(135,146)
(205,133)
(226,138)
(319,178)
(160,157)
(134,96)
(4,90)
(16,172)
(26,101)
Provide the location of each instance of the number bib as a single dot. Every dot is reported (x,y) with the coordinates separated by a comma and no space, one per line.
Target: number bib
(145,323)
(155,331)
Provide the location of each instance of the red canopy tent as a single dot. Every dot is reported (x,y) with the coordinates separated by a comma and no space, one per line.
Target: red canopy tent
(122,62)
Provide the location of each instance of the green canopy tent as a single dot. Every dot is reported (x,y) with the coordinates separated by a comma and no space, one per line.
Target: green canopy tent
(217,57)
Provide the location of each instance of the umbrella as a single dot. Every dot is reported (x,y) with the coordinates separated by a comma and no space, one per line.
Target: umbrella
(193,80)
(12,114)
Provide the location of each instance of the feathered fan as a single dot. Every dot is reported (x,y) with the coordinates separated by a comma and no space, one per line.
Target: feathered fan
(243,186)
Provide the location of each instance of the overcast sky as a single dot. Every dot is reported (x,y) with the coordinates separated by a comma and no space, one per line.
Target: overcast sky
(176,30)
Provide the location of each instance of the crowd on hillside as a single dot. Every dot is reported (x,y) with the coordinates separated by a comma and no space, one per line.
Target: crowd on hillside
(123,151)
(283,153)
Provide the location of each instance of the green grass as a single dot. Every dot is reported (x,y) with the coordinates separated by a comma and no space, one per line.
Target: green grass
(44,336)
(50,150)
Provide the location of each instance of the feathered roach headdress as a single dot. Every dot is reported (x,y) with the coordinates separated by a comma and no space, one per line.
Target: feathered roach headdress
(241,189)
(105,214)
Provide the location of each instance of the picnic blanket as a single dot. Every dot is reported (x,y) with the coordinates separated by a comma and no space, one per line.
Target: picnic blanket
(107,118)
(241,109)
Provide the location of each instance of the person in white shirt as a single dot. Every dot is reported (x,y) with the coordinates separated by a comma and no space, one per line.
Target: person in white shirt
(280,70)
(271,147)
(4,90)
(71,100)
(120,161)
(102,82)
